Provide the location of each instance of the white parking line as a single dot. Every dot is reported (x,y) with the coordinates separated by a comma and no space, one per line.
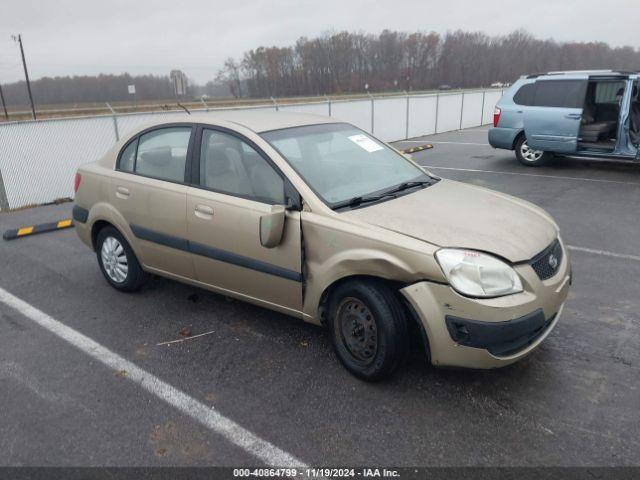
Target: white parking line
(624,256)
(447,143)
(562,177)
(203,414)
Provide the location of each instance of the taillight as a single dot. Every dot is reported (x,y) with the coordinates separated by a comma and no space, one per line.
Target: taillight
(496,116)
(76,183)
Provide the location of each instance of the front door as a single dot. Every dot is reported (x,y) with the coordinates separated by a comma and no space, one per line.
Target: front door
(237,184)
(148,189)
(552,123)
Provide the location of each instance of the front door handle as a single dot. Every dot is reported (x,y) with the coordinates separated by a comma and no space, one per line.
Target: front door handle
(573,116)
(122,192)
(203,211)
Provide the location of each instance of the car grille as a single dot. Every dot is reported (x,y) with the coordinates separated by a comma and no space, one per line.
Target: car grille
(547,262)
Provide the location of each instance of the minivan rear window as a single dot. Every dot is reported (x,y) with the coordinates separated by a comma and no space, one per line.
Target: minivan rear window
(524,96)
(560,93)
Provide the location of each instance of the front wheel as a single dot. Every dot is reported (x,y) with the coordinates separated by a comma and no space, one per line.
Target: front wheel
(368,329)
(529,156)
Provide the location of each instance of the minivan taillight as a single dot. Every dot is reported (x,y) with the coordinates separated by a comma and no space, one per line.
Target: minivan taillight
(76,183)
(496,116)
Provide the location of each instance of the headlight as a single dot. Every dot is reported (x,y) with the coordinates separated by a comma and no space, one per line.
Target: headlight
(477,274)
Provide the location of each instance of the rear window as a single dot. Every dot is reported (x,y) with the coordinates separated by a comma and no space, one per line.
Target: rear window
(524,96)
(560,93)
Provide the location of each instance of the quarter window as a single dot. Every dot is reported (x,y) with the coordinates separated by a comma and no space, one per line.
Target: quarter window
(230,165)
(560,93)
(162,153)
(128,156)
(609,92)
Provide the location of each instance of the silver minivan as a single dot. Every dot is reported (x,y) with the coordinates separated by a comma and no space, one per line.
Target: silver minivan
(579,113)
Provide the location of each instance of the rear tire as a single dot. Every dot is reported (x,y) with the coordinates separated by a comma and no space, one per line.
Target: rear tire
(117,261)
(530,157)
(368,329)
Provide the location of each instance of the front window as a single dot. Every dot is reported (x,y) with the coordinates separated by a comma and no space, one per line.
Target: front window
(341,162)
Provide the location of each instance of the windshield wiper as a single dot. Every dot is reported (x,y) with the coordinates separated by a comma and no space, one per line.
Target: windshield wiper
(356,201)
(393,193)
(408,185)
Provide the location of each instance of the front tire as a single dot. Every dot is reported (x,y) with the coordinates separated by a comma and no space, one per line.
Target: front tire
(368,329)
(117,261)
(528,156)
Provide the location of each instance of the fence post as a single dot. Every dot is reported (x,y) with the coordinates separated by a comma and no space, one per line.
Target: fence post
(275,104)
(437,107)
(206,107)
(461,110)
(484,93)
(4,202)
(372,111)
(328,104)
(115,122)
(406,132)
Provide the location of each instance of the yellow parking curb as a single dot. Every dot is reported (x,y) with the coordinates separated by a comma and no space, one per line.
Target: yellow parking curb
(426,146)
(35,229)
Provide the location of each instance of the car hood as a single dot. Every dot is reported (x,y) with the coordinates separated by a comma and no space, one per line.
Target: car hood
(453,214)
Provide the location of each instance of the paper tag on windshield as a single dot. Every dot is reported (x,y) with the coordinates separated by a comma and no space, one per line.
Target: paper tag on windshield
(365,142)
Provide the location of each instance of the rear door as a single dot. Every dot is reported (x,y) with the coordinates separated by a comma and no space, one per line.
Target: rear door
(234,185)
(148,188)
(552,122)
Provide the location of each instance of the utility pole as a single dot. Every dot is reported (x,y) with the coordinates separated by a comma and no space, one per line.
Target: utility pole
(26,74)
(4,105)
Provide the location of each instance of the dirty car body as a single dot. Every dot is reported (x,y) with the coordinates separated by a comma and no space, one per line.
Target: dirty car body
(319,220)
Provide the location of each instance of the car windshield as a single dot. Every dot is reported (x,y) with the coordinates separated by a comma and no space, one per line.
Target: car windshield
(344,165)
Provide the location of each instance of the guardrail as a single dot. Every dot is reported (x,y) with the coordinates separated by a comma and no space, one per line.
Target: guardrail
(38,158)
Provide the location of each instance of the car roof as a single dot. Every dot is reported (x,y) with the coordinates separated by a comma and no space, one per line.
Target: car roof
(584,73)
(255,120)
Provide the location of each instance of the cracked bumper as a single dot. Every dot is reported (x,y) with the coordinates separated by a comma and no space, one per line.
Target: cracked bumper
(489,333)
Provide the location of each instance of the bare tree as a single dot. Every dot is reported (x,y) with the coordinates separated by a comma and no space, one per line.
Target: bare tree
(230,75)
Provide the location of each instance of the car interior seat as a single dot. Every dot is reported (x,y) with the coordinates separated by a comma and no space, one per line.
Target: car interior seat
(160,163)
(592,130)
(223,170)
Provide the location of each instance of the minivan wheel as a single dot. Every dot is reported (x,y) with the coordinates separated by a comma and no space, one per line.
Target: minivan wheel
(117,261)
(368,329)
(528,156)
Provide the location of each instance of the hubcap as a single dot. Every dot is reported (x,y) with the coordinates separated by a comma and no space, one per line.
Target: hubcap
(529,154)
(114,260)
(358,329)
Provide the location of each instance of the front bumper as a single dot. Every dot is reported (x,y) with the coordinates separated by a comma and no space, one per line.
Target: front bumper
(489,333)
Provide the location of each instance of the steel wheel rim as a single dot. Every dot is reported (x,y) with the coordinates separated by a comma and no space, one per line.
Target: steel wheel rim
(114,260)
(529,154)
(358,329)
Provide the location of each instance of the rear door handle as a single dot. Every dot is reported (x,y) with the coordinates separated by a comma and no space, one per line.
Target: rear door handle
(574,116)
(203,211)
(122,192)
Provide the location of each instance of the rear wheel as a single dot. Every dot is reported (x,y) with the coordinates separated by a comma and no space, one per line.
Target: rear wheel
(368,329)
(117,261)
(529,156)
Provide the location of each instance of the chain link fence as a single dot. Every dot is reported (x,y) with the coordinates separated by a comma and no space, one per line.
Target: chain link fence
(38,159)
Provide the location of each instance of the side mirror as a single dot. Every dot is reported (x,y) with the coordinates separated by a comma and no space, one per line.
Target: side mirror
(272,226)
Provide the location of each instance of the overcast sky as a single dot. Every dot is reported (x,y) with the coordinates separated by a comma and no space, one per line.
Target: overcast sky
(66,37)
